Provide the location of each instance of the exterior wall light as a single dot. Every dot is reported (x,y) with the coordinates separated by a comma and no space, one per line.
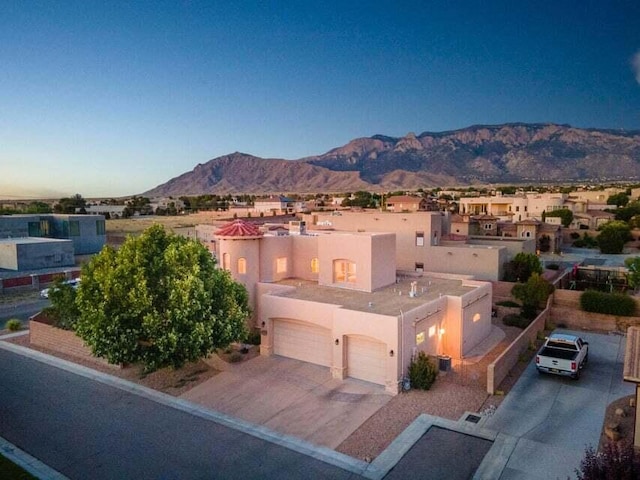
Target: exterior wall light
(337,342)
(391,354)
(263,324)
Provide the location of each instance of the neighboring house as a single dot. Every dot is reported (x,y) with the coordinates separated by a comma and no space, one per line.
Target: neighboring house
(274,205)
(48,240)
(334,299)
(109,211)
(591,219)
(423,242)
(541,232)
(406,203)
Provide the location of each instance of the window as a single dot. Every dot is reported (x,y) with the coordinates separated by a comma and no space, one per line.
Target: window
(419,267)
(517,209)
(100,227)
(476,317)
(419,338)
(344,271)
(419,239)
(281,265)
(488,226)
(74,228)
(315,265)
(226,261)
(34,229)
(242,266)
(432,331)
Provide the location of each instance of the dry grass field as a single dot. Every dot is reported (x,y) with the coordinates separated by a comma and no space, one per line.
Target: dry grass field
(138,224)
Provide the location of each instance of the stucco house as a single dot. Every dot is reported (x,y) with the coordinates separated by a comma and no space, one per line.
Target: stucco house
(406,203)
(336,299)
(274,205)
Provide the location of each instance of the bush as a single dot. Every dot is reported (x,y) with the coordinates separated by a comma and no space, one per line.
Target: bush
(13,325)
(422,372)
(516,320)
(617,460)
(508,303)
(574,235)
(235,357)
(608,303)
(254,338)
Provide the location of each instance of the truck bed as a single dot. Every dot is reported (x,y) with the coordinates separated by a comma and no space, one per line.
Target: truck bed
(560,353)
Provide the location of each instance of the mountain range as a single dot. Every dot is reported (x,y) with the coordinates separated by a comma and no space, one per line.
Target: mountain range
(480,154)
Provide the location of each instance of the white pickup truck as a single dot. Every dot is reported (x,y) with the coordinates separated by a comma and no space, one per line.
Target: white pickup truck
(563,354)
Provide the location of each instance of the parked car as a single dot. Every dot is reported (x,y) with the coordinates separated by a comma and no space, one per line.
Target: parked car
(563,354)
(74,282)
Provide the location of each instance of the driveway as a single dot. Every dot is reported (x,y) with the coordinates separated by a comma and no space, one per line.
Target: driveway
(291,397)
(555,418)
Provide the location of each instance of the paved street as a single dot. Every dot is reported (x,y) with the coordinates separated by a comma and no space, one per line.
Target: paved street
(22,311)
(87,429)
(555,418)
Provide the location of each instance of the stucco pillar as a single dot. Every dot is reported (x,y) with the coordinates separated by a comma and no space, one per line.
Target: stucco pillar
(338,364)
(35,281)
(266,340)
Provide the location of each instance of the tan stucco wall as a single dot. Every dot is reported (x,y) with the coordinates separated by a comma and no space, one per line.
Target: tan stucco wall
(305,248)
(272,248)
(249,249)
(482,262)
(383,256)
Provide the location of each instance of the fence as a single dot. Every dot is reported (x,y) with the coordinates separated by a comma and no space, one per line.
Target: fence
(35,281)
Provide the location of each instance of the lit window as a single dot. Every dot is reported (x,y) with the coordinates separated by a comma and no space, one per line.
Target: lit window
(432,331)
(281,265)
(315,265)
(476,317)
(226,261)
(419,338)
(242,266)
(344,271)
(419,239)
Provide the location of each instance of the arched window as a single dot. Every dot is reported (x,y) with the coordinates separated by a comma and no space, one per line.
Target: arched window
(344,271)
(226,262)
(242,266)
(315,265)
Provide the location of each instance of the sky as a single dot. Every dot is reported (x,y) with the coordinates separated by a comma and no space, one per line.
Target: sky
(113,98)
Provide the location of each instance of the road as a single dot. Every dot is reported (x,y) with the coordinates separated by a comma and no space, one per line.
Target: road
(22,310)
(88,429)
(554,418)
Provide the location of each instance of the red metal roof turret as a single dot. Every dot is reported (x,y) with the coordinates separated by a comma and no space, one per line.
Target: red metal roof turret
(239,228)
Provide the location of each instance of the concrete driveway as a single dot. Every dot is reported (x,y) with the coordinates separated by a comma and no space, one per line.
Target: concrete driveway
(291,397)
(555,418)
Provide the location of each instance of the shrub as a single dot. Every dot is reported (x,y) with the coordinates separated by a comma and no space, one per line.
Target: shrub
(508,303)
(516,320)
(254,338)
(574,235)
(13,325)
(422,372)
(235,357)
(608,303)
(617,460)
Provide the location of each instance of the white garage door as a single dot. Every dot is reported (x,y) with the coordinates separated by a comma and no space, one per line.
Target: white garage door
(366,359)
(302,341)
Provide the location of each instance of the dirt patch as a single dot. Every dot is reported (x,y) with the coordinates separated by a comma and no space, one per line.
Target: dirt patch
(238,352)
(167,380)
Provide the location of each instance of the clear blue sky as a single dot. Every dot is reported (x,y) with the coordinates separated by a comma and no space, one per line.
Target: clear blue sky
(113,98)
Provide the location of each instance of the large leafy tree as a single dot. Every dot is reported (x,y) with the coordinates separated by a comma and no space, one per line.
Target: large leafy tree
(532,294)
(613,235)
(159,300)
(522,267)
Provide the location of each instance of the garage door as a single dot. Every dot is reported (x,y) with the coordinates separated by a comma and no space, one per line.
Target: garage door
(366,359)
(302,341)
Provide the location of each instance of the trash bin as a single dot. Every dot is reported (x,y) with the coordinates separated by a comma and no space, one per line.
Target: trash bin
(444,363)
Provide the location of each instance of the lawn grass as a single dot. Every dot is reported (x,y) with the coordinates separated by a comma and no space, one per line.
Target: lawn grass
(11,471)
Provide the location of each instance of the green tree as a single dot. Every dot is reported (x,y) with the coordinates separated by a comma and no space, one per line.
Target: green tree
(613,235)
(521,267)
(617,460)
(619,199)
(71,205)
(633,277)
(532,294)
(63,310)
(159,300)
(566,216)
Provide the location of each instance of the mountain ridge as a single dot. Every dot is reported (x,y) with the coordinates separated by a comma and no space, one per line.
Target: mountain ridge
(506,153)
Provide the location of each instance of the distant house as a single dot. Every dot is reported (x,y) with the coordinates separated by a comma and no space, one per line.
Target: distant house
(274,205)
(406,203)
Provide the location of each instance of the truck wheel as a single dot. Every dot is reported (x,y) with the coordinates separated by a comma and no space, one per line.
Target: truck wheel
(576,376)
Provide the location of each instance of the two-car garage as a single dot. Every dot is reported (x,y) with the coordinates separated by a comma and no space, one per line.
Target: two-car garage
(365,357)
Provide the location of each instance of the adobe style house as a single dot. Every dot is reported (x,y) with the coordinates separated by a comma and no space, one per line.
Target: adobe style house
(274,205)
(406,203)
(48,240)
(336,299)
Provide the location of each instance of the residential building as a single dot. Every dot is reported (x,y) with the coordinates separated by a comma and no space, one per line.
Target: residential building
(336,299)
(406,203)
(274,205)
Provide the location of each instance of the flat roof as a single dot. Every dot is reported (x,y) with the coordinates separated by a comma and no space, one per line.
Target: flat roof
(31,240)
(386,301)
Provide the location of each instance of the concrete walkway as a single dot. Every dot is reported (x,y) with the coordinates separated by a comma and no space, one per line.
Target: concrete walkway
(291,397)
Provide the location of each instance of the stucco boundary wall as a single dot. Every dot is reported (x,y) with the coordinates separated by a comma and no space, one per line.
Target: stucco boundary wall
(501,366)
(566,312)
(34,281)
(61,341)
